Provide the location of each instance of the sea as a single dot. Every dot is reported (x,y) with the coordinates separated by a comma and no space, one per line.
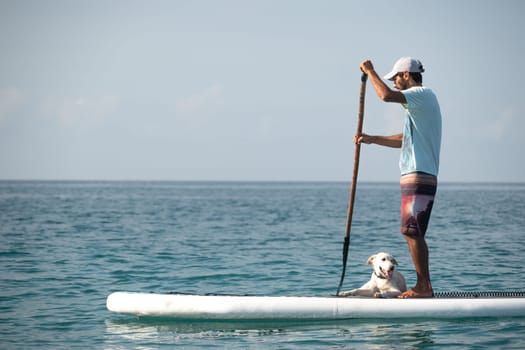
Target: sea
(66,245)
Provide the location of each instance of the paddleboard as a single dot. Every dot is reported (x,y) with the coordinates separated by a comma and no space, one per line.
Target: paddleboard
(225,307)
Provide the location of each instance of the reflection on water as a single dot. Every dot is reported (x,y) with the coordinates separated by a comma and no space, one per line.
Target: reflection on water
(373,334)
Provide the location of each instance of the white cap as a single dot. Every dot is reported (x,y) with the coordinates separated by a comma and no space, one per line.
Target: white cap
(405,64)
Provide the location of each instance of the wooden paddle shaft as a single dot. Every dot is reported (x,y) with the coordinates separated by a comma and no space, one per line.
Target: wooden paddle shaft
(346,243)
(357,154)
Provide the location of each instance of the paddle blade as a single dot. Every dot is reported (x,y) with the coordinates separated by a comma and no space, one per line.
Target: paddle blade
(346,245)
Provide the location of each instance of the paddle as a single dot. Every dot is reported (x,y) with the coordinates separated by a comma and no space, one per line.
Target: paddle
(346,243)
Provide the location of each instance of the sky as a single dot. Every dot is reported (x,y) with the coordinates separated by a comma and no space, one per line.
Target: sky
(260,90)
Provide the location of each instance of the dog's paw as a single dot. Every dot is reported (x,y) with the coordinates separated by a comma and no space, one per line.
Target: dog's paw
(348,293)
(378,295)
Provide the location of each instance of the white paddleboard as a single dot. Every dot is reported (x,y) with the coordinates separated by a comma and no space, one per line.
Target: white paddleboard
(219,307)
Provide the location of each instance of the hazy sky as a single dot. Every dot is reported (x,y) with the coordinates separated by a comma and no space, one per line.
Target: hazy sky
(251,90)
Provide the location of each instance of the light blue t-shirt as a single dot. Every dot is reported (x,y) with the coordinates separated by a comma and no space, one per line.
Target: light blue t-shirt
(422,132)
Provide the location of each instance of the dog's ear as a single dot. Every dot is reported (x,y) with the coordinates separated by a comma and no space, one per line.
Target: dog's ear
(394,261)
(370,260)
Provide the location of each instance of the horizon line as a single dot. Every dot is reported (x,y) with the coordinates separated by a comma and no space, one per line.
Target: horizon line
(257,181)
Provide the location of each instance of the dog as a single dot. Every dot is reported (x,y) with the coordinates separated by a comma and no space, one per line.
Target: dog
(386,281)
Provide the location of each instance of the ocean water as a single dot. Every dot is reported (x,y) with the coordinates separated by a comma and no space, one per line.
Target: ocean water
(65,246)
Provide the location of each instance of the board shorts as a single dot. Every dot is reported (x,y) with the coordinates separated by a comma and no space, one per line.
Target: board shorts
(417,198)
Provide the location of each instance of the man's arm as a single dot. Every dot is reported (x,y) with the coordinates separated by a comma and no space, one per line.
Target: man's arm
(382,90)
(393,141)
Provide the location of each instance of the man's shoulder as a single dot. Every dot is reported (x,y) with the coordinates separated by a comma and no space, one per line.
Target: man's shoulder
(419,93)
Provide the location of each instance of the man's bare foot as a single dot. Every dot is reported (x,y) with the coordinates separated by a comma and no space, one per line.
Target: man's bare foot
(412,293)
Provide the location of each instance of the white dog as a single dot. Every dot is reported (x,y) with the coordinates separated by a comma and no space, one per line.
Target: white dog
(386,282)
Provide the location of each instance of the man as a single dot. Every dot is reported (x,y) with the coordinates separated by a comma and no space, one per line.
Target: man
(419,162)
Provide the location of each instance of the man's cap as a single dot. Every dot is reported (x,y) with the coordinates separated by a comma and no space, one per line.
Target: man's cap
(405,64)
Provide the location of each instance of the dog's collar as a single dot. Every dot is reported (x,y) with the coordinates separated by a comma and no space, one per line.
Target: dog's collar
(379,276)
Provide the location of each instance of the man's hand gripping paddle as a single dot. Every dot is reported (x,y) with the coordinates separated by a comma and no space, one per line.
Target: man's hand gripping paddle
(354,178)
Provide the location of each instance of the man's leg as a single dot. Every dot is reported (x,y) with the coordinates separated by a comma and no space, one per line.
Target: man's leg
(417,199)
(419,252)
